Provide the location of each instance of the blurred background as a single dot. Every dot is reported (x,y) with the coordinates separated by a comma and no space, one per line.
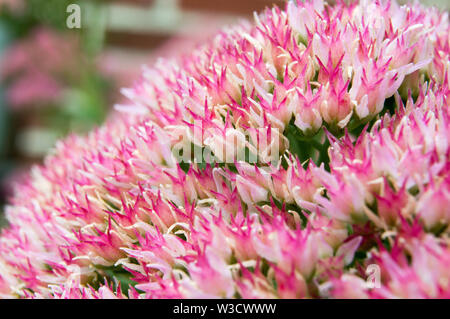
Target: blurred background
(55,80)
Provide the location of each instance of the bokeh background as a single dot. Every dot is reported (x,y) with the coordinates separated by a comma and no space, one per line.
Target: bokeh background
(56,81)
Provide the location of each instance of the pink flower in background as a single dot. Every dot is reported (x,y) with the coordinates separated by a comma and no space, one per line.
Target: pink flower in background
(361,178)
(38,68)
(34,88)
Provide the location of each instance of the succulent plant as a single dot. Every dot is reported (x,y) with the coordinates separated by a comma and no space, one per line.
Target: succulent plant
(341,113)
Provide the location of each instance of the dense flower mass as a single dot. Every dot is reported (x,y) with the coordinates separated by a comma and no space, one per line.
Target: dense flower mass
(354,203)
(36,68)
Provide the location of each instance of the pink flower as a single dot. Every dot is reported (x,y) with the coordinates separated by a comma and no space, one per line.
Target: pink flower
(357,181)
(416,280)
(34,88)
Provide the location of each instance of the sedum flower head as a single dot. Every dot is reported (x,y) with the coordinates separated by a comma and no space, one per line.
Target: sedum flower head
(341,114)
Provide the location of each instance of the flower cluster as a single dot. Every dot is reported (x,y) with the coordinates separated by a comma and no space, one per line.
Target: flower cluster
(359,97)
